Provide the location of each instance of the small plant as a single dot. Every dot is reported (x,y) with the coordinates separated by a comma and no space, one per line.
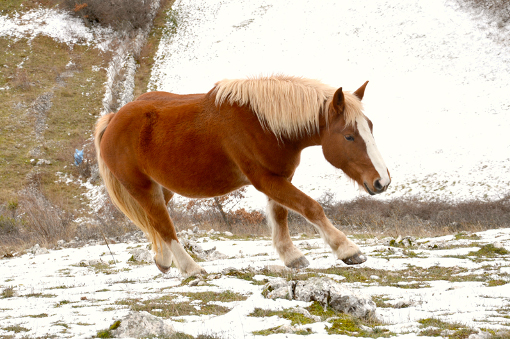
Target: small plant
(108,333)
(8,292)
(296,318)
(489,251)
(16,329)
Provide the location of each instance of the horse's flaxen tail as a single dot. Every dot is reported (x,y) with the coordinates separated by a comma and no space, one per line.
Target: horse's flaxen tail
(118,193)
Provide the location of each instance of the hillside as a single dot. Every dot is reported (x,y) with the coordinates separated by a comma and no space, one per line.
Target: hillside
(58,74)
(60,71)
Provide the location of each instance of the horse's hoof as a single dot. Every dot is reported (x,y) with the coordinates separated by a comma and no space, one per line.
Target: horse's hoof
(163,269)
(195,273)
(300,262)
(358,258)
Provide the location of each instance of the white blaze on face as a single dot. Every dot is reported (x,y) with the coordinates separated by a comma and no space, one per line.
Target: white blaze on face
(372,151)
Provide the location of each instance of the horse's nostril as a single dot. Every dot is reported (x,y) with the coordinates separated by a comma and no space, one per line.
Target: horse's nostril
(377,185)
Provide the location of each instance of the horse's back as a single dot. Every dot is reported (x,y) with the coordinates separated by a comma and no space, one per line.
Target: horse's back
(166,96)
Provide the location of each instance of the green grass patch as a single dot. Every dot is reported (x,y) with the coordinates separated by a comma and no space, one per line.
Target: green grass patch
(42,315)
(165,306)
(72,97)
(467,236)
(281,330)
(108,333)
(437,327)
(15,329)
(39,295)
(496,282)
(489,251)
(348,325)
(296,318)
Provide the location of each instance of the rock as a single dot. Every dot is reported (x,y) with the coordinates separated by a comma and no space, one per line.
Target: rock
(42,162)
(276,268)
(141,255)
(37,250)
(142,325)
(325,291)
(480,335)
(313,289)
(228,270)
(207,255)
(288,329)
(194,282)
(279,289)
(228,234)
(91,262)
(497,244)
(195,229)
(408,241)
(307,314)
(386,241)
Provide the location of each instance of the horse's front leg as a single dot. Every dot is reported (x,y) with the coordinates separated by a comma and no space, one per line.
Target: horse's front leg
(277,219)
(284,193)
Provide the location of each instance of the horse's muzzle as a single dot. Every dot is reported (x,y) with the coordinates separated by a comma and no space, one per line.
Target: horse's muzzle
(377,187)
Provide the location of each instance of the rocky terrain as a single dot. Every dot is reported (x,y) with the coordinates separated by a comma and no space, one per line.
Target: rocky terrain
(454,286)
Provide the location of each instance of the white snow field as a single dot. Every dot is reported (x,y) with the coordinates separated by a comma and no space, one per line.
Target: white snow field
(438,91)
(76,292)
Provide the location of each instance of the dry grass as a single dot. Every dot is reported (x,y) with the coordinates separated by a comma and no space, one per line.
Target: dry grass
(365,216)
(497,10)
(124,15)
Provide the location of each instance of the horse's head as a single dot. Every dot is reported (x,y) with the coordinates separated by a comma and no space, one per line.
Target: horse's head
(348,143)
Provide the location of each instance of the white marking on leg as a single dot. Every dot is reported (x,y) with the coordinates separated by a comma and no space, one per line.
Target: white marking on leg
(286,250)
(331,236)
(372,151)
(183,260)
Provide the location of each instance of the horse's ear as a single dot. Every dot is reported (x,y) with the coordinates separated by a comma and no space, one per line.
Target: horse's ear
(339,100)
(361,91)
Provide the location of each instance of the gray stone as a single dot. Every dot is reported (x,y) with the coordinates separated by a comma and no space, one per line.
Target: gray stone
(276,269)
(194,282)
(142,325)
(91,262)
(279,289)
(325,291)
(386,241)
(313,289)
(38,250)
(141,255)
(497,244)
(480,335)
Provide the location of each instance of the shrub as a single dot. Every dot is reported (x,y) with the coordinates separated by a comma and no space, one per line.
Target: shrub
(121,15)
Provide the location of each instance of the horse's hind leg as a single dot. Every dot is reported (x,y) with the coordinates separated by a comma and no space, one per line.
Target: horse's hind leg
(164,257)
(153,198)
(289,254)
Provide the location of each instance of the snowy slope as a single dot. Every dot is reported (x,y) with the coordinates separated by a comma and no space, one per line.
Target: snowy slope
(437,93)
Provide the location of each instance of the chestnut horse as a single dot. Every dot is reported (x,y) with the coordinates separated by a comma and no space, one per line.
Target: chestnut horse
(242,132)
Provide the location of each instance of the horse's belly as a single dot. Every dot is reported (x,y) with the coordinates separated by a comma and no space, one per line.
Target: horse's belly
(204,183)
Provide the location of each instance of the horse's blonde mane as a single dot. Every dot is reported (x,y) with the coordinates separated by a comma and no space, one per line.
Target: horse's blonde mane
(287,106)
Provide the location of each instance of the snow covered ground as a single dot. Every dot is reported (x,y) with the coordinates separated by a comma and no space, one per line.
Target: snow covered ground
(58,25)
(76,292)
(438,92)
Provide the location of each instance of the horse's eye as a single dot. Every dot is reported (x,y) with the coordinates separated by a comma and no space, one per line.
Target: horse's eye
(349,138)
